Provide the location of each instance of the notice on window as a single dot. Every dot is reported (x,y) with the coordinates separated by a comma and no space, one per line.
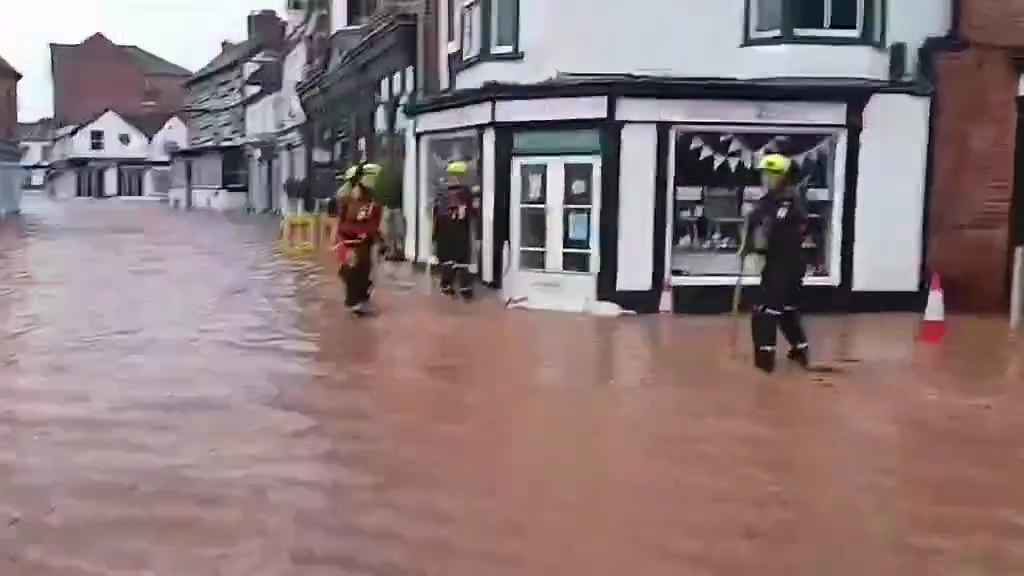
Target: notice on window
(579,226)
(536,187)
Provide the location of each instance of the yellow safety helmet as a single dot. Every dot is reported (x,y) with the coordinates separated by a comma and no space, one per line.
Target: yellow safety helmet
(458,169)
(370,172)
(775,164)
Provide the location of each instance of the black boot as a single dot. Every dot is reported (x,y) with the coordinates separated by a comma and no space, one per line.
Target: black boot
(793,329)
(800,356)
(465,282)
(447,279)
(763,329)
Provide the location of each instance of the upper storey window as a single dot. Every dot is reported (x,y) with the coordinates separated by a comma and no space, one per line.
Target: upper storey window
(816,21)
(488,29)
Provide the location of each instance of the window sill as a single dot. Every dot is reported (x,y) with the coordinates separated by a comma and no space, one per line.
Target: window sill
(812,40)
(461,64)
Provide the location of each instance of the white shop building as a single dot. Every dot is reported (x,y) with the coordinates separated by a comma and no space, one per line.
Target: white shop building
(615,152)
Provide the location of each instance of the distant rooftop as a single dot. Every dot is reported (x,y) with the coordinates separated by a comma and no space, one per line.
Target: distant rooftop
(39,131)
(150,63)
(6,68)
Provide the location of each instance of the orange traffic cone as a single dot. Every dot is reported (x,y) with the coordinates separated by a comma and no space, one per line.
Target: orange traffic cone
(933,328)
(665,305)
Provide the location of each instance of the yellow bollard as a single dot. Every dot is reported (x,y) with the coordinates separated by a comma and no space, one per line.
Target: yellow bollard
(298,233)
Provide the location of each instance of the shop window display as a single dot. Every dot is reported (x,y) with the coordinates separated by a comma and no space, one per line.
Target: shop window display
(717,185)
(442,150)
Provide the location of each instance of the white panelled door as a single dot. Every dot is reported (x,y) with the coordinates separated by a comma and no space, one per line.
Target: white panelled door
(555,212)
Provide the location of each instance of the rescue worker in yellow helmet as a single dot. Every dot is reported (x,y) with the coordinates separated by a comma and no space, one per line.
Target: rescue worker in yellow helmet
(358,228)
(775,230)
(453,220)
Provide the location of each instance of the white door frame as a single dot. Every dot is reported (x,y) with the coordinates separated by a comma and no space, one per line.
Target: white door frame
(553,287)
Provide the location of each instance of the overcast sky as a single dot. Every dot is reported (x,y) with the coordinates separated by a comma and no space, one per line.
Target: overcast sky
(186,32)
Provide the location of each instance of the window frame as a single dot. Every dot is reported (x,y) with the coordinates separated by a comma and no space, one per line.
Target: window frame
(492,41)
(472,38)
(839,193)
(465,56)
(871,26)
(97,136)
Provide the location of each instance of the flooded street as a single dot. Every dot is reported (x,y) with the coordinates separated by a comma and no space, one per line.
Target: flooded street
(177,398)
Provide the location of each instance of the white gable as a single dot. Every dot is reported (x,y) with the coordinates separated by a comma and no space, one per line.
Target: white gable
(174,133)
(114,138)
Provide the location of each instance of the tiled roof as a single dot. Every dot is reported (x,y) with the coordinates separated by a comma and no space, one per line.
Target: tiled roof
(154,65)
(149,124)
(150,64)
(233,55)
(39,131)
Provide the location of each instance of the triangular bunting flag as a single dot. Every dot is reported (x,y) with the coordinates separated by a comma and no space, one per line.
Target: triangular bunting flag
(735,145)
(697,142)
(733,163)
(748,158)
(719,160)
(705,152)
(725,137)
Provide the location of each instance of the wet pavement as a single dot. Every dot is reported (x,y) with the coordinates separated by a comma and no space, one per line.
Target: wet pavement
(176,398)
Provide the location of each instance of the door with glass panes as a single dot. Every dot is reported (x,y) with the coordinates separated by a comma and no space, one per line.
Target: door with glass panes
(554,242)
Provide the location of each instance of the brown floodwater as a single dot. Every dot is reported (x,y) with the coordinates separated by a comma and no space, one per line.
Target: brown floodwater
(178,398)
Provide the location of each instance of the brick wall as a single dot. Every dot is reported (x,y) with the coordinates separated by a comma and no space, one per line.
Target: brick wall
(974,145)
(8,108)
(99,75)
(993,22)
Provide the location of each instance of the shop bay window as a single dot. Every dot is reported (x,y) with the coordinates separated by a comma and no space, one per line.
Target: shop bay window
(716,185)
(441,150)
(859,21)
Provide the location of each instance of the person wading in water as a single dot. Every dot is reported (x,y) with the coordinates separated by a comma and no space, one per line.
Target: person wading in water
(775,230)
(358,228)
(453,221)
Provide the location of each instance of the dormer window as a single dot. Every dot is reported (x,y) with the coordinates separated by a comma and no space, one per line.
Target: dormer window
(815,21)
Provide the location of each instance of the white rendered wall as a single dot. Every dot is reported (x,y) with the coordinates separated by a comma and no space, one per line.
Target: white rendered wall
(174,130)
(33,153)
(409,188)
(339,14)
(688,38)
(888,244)
(487,160)
(424,229)
(110,181)
(637,195)
(64,185)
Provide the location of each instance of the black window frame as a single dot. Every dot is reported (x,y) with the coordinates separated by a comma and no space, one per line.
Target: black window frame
(870,35)
(458,61)
(97,141)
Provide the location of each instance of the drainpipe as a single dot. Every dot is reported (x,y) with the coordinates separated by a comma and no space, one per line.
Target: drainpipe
(928,55)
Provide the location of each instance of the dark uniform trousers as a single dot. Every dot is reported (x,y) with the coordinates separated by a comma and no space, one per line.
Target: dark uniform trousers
(454,252)
(779,308)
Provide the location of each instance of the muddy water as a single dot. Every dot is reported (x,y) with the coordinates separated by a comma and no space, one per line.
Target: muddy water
(178,399)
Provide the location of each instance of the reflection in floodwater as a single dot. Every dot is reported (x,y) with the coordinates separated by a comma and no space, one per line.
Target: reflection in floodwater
(177,398)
